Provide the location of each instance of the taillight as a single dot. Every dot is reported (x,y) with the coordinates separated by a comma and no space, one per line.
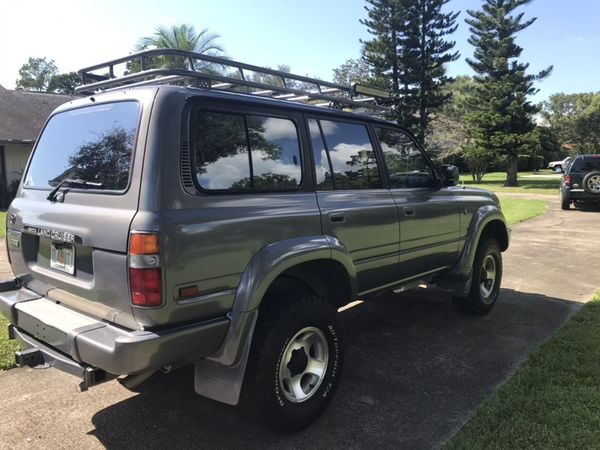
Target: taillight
(568,181)
(145,276)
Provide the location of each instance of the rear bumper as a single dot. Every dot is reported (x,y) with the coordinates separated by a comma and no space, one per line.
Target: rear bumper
(73,342)
(580,194)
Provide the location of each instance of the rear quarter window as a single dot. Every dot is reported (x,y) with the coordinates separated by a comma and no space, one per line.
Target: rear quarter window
(245,152)
(94,143)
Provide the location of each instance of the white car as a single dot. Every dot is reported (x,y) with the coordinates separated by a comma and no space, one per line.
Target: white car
(559,166)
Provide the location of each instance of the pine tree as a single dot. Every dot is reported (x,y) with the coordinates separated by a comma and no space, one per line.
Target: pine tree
(381,53)
(425,52)
(502,121)
(410,49)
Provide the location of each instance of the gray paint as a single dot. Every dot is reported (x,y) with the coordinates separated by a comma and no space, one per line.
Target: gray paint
(232,247)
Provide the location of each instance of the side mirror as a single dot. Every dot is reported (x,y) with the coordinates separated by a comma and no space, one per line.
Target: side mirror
(450,175)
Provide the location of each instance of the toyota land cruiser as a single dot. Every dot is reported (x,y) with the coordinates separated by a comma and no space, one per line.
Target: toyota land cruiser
(158,226)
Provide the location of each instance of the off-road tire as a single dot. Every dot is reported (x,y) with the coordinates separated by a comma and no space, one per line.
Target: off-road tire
(565,203)
(483,294)
(591,183)
(288,313)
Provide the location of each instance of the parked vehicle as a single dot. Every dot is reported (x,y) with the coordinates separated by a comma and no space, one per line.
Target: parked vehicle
(581,181)
(158,226)
(559,166)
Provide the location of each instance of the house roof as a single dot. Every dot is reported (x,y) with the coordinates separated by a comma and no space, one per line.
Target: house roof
(23,113)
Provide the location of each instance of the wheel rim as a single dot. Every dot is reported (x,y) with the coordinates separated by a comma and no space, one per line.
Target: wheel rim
(303,365)
(488,277)
(594,184)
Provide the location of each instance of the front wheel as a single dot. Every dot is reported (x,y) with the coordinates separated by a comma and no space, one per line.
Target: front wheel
(297,359)
(487,276)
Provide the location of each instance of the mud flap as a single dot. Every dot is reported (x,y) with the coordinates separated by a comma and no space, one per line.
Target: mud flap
(223,383)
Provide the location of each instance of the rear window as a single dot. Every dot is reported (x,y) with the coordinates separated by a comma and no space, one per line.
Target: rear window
(94,144)
(586,164)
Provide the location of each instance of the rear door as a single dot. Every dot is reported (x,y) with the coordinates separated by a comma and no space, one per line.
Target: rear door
(72,246)
(355,206)
(429,218)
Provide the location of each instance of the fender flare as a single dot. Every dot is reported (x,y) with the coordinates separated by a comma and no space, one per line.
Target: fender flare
(262,270)
(459,278)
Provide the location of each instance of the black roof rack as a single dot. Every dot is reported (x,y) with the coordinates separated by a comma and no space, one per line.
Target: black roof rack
(167,66)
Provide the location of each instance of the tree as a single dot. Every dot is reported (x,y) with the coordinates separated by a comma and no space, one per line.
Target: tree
(385,19)
(410,51)
(502,119)
(182,37)
(424,55)
(353,70)
(574,120)
(35,74)
(64,83)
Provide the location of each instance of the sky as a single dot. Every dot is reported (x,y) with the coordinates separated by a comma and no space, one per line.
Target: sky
(311,36)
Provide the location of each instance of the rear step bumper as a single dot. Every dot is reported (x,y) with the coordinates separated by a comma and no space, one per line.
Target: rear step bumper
(38,354)
(80,344)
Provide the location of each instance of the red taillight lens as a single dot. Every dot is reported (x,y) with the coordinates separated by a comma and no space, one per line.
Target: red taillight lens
(146,287)
(568,180)
(145,277)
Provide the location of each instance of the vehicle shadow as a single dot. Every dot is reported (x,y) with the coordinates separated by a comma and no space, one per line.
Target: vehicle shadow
(415,372)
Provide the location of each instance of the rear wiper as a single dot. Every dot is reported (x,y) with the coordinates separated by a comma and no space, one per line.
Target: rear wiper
(74,183)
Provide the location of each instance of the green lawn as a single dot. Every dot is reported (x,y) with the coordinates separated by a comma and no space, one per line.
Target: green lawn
(2,224)
(553,401)
(518,210)
(7,348)
(542,182)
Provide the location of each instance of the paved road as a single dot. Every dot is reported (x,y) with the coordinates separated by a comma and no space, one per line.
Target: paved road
(416,370)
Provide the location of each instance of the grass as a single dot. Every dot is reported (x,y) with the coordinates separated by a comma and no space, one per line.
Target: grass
(552,402)
(2,224)
(518,210)
(528,183)
(7,348)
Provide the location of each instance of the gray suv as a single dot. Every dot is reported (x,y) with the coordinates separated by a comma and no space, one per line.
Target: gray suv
(160,226)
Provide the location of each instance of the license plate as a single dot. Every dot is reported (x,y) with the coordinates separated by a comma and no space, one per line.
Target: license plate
(62,257)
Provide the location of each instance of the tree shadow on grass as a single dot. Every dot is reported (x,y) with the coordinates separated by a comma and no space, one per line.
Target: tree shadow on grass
(415,372)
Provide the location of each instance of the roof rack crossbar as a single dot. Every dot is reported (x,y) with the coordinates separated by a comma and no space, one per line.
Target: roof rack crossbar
(202,71)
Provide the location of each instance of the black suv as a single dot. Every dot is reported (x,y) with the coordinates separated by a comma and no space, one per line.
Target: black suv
(581,181)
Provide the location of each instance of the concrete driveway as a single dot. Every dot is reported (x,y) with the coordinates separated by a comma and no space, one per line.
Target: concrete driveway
(416,370)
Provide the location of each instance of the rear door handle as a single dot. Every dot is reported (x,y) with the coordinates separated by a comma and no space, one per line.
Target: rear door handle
(338,217)
(409,211)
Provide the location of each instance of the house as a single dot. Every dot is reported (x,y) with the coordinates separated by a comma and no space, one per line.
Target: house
(22,116)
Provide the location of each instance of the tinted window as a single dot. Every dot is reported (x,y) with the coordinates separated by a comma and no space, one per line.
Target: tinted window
(351,154)
(407,166)
(322,166)
(586,164)
(94,143)
(244,152)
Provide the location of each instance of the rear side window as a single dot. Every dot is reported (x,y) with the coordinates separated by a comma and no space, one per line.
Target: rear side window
(94,144)
(407,166)
(586,164)
(241,152)
(343,149)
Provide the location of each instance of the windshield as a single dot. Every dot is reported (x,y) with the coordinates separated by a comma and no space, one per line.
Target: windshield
(94,144)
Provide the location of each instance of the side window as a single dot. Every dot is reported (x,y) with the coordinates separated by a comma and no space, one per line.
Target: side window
(407,166)
(322,165)
(275,153)
(351,155)
(246,152)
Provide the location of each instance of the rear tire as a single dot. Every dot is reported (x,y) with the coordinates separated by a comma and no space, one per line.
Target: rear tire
(565,203)
(296,359)
(487,276)
(591,183)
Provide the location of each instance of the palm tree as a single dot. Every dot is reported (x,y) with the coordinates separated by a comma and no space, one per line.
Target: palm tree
(182,37)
